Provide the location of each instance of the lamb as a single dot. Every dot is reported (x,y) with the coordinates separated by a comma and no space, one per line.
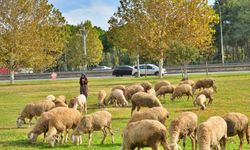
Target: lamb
(50,97)
(190,82)
(144,99)
(146,85)
(208,92)
(164,90)
(118,97)
(60,101)
(144,133)
(200,100)
(33,110)
(100,120)
(79,101)
(155,113)
(42,124)
(132,89)
(151,91)
(61,122)
(204,83)
(237,123)
(102,98)
(159,84)
(181,90)
(182,126)
(121,87)
(212,133)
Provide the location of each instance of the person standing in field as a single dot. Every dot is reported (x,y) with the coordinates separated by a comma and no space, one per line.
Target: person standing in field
(84,85)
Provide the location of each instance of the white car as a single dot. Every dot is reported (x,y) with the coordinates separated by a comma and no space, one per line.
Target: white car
(148,69)
(99,68)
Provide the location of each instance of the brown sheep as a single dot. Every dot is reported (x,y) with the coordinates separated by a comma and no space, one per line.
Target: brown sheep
(144,99)
(144,133)
(165,90)
(159,84)
(237,123)
(190,82)
(102,95)
(204,83)
(146,85)
(132,89)
(208,92)
(121,87)
(184,89)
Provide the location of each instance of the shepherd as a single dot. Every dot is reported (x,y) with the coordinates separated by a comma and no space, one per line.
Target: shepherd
(84,84)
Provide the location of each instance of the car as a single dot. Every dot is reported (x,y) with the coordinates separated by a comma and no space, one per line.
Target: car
(122,70)
(148,69)
(24,70)
(99,68)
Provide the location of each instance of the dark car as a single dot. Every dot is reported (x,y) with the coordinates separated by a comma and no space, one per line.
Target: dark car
(122,70)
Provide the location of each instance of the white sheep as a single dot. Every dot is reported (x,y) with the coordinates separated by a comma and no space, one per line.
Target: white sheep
(144,133)
(200,100)
(101,98)
(184,89)
(33,110)
(50,98)
(237,124)
(212,133)
(118,98)
(79,102)
(100,120)
(182,126)
(208,92)
(144,99)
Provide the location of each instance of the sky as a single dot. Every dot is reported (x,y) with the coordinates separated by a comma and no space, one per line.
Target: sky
(97,11)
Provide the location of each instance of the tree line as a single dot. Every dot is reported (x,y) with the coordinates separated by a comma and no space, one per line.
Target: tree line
(35,35)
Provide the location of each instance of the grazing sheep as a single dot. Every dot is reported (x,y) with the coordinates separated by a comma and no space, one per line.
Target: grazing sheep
(155,113)
(68,119)
(61,98)
(208,92)
(180,90)
(42,124)
(33,110)
(50,97)
(151,91)
(164,90)
(204,83)
(190,82)
(200,101)
(212,133)
(100,120)
(102,98)
(182,126)
(132,89)
(118,98)
(121,87)
(146,85)
(237,123)
(144,133)
(144,99)
(79,101)
(159,84)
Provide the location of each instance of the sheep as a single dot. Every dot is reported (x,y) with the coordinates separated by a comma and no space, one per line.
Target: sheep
(42,124)
(132,89)
(101,98)
(60,101)
(164,90)
(190,82)
(146,85)
(200,100)
(181,90)
(159,84)
(151,91)
(50,97)
(144,99)
(212,133)
(155,113)
(68,119)
(79,101)
(208,92)
(121,87)
(118,97)
(100,120)
(33,110)
(182,126)
(204,83)
(237,123)
(144,133)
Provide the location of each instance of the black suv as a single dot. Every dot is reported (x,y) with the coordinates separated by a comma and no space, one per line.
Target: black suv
(122,70)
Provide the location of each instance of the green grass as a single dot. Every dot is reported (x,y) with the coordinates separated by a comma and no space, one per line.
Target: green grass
(233,95)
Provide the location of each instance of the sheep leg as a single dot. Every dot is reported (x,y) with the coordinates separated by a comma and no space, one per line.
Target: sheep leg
(154,147)
(164,144)
(223,142)
(138,108)
(184,142)
(133,108)
(241,137)
(104,135)
(112,135)
(192,138)
(90,138)
(85,107)
(30,122)
(44,137)
(66,136)
(80,140)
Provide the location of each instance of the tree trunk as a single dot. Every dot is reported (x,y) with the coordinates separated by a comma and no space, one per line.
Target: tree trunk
(12,76)
(185,71)
(138,66)
(160,67)
(206,68)
(182,72)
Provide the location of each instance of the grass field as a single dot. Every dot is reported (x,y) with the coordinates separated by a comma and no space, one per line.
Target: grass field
(233,95)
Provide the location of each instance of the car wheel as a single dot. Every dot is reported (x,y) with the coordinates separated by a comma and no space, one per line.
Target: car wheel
(156,73)
(135,74)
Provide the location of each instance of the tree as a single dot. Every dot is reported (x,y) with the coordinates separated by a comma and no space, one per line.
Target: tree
(32,34)
(206,53)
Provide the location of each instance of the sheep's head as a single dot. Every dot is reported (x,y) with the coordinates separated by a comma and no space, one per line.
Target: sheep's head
(20,121)
(32,137)
(86,124)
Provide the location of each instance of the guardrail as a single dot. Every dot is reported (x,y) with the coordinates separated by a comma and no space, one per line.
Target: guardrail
(170,70)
